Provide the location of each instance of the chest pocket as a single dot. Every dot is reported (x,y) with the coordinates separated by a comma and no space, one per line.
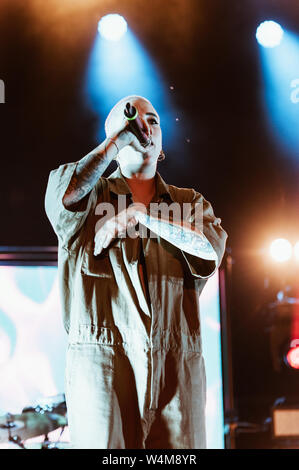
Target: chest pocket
(104,264)
(98,266)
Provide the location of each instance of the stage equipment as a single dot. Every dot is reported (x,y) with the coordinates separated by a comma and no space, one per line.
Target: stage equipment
(47,415)
(112,27)
(269,34)
(292,356)
(17,428)
(285,422)
(281,250)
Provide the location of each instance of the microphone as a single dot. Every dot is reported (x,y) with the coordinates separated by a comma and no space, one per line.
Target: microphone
(135,124)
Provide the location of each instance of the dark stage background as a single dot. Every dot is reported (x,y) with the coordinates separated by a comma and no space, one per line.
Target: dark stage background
(207,51)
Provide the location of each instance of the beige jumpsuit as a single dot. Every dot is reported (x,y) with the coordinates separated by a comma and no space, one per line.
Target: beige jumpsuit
(135,374)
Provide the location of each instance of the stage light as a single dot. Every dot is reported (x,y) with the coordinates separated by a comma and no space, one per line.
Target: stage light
(296,251)
(112,27)
(281,250)
(283,317)
(280,74)
(269,34)
(292,357)
(120,68)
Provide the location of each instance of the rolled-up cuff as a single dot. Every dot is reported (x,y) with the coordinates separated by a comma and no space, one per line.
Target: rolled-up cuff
(198,267)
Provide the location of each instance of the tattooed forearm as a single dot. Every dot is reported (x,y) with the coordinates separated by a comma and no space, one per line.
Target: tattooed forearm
(88,171)
(190,241)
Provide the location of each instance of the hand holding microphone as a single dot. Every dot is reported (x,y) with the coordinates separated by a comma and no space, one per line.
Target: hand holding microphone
(135,125)
(132,132)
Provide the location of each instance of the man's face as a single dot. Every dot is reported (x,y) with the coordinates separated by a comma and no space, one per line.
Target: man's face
(151,124)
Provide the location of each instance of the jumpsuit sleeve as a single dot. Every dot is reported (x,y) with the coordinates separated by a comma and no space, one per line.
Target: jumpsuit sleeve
(65,222)
(217,236)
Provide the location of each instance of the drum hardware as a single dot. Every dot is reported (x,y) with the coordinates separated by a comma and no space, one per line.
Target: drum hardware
(46,416)
(10,425)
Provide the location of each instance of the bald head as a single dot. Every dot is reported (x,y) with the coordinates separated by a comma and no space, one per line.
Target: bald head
(116,117)
(130,158)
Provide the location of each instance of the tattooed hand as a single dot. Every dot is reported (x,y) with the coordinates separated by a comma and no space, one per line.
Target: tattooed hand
(124,136)
(119,226)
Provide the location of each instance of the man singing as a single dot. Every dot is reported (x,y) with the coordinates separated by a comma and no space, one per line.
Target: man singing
(130,284)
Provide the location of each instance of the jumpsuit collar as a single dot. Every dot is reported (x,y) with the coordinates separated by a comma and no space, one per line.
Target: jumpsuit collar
(118,185)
